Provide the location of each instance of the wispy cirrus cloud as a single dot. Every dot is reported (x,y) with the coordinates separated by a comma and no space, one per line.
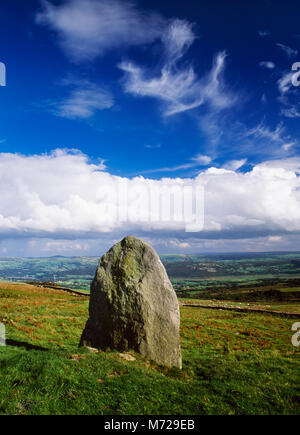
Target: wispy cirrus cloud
(292,111)
(153,146)
(89,28)
(263,131)
(289,145)
(177,39)
(176,90)
(198,160)
(179,88)
(175,87)
(276,140)
(288,96)
(82,101)
(290,52)
(285,82)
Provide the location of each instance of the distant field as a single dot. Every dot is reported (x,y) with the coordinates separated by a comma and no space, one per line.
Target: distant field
(73,272)
(220,270)
(233,363)
(268,306)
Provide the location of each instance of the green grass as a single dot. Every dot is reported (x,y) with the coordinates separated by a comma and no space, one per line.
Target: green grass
(233,363)
(286,307)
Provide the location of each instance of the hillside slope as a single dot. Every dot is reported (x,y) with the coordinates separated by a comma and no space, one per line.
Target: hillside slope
(233,363)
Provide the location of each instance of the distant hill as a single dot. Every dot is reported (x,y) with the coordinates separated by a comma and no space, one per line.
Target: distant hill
(77,272)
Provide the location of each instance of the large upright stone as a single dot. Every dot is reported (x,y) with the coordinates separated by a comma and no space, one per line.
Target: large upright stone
(133,304)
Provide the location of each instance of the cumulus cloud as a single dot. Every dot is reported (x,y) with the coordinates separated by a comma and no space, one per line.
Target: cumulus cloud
(63,196)
(89,28)
(179,88)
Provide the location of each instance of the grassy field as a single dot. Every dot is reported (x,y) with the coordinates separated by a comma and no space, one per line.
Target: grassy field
(233,363)
(271,306)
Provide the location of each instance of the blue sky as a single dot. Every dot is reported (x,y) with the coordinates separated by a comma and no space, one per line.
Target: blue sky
(198,92)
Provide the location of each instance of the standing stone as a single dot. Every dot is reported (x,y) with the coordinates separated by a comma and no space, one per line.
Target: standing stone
(133,305)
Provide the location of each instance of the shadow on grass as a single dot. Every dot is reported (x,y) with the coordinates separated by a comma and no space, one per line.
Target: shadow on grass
(27,346)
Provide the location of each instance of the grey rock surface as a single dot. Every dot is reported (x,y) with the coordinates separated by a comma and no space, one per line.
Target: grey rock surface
(133,305)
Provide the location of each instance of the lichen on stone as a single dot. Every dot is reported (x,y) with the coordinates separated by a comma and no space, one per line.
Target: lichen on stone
(133,304)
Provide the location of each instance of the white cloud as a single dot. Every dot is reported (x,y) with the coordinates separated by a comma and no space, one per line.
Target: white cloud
(291,164)
(291,111)
(84,99)
(290,52)
(198,160)
(259,244)
(288,96)
(264,132)
(275,239)
(175,168)
(64,246)
(234,165)
(214,89)
(179,244)
(267,64)
(89,28)
(264,33)
(179,88)
(153,146)
(273,142)
(64,197)
(202,159)
(285,82)
(177,39)
(287,146)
